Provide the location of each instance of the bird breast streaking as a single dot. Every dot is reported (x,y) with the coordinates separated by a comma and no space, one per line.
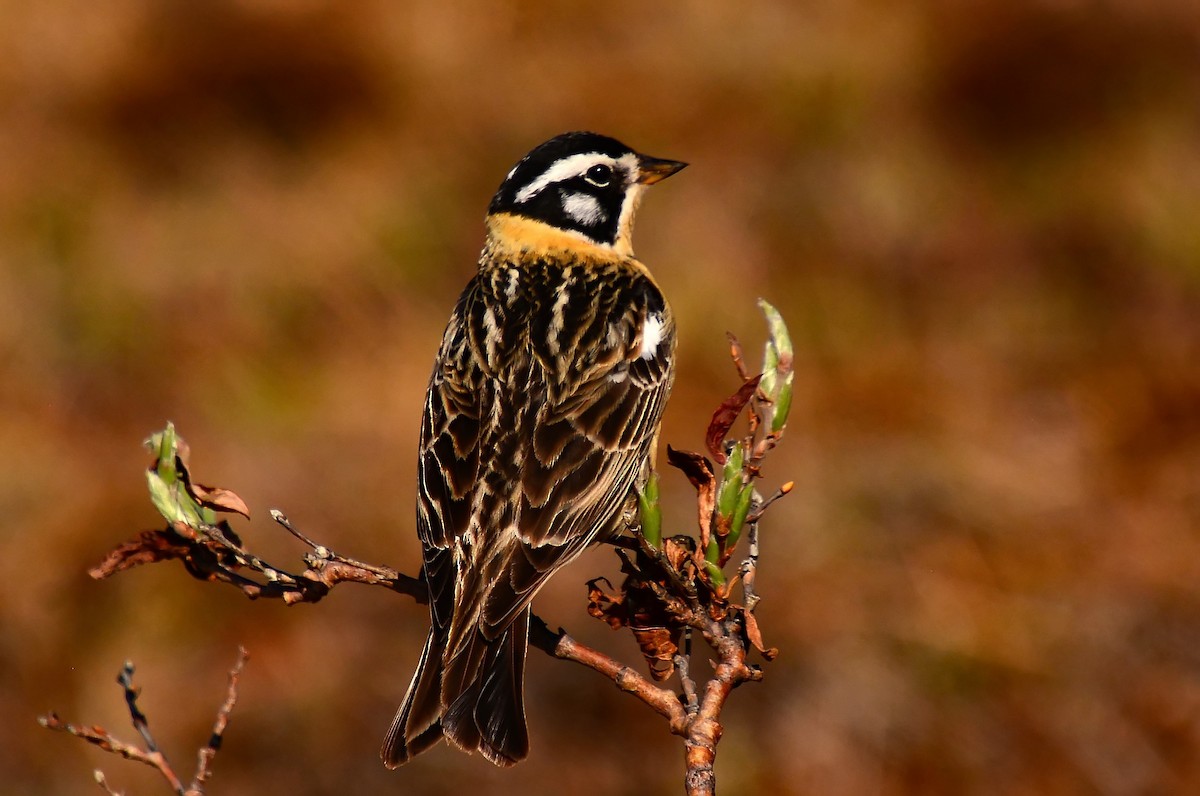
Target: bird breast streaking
(539,426)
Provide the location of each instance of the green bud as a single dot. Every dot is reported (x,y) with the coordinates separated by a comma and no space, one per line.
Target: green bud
(163,445)
(779,330)
(650,512)
(740,512)
(770,369)
(163,499)
(783,404)
(731,482)
(714,572)
(168,491)
(777,377)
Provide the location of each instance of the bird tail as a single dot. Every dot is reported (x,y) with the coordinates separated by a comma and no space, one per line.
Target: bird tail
(418,725)
(476,699)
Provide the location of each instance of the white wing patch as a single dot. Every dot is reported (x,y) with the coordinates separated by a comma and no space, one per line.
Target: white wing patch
(652,335)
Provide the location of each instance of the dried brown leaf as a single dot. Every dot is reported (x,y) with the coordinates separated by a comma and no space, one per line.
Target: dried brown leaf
(607,608)
(217,498)
(148,548)
(678,551)
(726,415)
(699,472)
(755,636)
(659,646)
(697,468)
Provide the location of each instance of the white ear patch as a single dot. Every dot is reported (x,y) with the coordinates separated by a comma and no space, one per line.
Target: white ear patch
(584,209)
(652,335)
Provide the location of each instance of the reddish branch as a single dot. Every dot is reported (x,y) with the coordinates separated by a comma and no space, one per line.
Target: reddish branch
(661,700)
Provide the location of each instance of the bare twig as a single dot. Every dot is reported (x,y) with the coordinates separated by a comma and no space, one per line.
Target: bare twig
(100,737)
(125,680)
(756,515)
(208,554)
(209,751)
(737,355)
(749,569)
(690,699)
(321,553)
(102,781)
(150,755)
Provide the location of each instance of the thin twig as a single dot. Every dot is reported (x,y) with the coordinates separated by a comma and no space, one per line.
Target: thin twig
(690,699)
(758,512)
(98,736)
(204,559)
(125,680)
(204,757)
(151,755)
(212,556)
(323,553)
(243,557)
(738,356)
(102,781)
(749,569)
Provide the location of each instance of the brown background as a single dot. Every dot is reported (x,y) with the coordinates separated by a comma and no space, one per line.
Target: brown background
(980,220)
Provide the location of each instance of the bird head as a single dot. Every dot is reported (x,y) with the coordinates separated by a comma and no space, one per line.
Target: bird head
(584,184)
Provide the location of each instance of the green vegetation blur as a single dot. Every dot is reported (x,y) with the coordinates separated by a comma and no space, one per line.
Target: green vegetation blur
(981,222)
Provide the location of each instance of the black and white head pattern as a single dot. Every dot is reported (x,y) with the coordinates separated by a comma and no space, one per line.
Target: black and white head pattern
(581,182)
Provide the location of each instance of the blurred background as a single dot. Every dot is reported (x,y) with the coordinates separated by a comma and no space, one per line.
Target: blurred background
(980,220)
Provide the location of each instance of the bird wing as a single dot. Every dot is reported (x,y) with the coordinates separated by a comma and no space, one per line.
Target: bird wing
(538,425)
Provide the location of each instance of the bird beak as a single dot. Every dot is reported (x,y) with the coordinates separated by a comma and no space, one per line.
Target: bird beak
(651,170)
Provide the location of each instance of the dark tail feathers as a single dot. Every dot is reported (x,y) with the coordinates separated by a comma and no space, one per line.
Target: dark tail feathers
(476,700)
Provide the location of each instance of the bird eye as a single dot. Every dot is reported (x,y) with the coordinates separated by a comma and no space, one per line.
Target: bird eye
(599,175)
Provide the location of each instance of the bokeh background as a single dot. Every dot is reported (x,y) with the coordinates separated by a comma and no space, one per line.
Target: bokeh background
(982,221)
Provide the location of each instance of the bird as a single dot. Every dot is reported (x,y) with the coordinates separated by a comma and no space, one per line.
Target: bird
(539,426)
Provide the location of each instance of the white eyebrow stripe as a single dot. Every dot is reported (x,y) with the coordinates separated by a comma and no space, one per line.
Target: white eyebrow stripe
(573,166)
(561,170)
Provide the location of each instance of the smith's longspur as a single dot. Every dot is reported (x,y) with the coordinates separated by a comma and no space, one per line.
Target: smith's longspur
(539,426)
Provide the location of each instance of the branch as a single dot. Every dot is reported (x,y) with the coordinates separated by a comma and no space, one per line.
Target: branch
(150,755)
(209,751)
(560,645)
(213,553)
(705,728)
(209,555)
